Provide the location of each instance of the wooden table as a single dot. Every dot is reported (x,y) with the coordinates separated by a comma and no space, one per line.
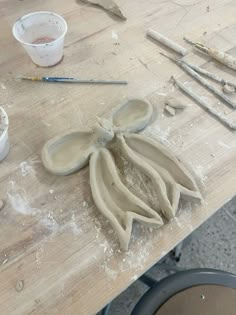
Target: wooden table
(58,254)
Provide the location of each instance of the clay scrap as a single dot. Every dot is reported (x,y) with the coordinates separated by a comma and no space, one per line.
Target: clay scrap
(70,152)
(170,110)
(109,5)
(175,102)
(173,105)
(228,89)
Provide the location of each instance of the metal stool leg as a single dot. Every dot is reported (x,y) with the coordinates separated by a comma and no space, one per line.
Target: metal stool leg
(105,310)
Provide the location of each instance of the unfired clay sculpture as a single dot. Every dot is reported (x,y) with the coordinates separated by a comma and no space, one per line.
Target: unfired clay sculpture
(71,151)
(108,5)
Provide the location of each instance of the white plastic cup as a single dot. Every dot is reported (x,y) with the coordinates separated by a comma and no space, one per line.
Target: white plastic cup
(42,35)
(4,142)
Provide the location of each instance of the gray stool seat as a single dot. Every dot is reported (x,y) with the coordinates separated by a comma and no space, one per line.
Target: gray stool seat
(192,292)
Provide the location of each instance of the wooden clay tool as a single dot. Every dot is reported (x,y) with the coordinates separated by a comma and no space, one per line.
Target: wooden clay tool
(200,79)
(209,74)
(210,109)
(226,59)
(167,42)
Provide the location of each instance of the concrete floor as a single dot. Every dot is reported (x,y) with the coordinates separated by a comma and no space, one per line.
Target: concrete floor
(213,245)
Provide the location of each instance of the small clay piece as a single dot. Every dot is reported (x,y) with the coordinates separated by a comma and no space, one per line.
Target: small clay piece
(175,102)
(170,110)
(19,285)
(115,201)
(227,89)
(1,204)
(167,42)
(108,5)
(72,151)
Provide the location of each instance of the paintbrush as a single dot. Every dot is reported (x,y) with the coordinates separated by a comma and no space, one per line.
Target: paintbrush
(73,80)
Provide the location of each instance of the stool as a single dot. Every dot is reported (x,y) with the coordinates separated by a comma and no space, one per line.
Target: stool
(191,292)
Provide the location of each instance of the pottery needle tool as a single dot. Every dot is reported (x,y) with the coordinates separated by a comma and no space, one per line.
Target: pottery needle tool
(167,42)
(210,109)
(209,74)
(73,80)
(200,79)
(224,58)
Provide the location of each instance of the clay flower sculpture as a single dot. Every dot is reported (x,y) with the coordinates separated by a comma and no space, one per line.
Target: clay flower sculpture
(70,152)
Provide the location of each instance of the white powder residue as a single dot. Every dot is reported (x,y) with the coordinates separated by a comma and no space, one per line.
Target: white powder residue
(46,123)
(3,86)
(134,278)
(224,145)
(111,272)
(50,222)
(18,199)
(178,222)
(85,204)
(135,259)
(39,255)
(26,169)
(156,132)
(199,171)
(114,35)
(74,227)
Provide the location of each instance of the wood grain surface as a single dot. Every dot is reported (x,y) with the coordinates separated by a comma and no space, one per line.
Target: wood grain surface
(58,255)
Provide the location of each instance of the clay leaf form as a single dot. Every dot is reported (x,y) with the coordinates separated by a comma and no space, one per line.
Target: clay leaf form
(108,5)
(69,152)
(169,177)
(114,199)
(132,116)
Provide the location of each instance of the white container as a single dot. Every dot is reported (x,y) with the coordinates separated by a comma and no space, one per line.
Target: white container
(42,35)
(4,143)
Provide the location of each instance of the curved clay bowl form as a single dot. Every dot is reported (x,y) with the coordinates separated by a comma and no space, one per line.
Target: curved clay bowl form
(68,153)
(132,116)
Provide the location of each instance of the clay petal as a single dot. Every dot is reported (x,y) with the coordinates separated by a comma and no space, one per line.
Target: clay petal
(68,152)
(141,163)
(132,116)
(169,177)
(114,199)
